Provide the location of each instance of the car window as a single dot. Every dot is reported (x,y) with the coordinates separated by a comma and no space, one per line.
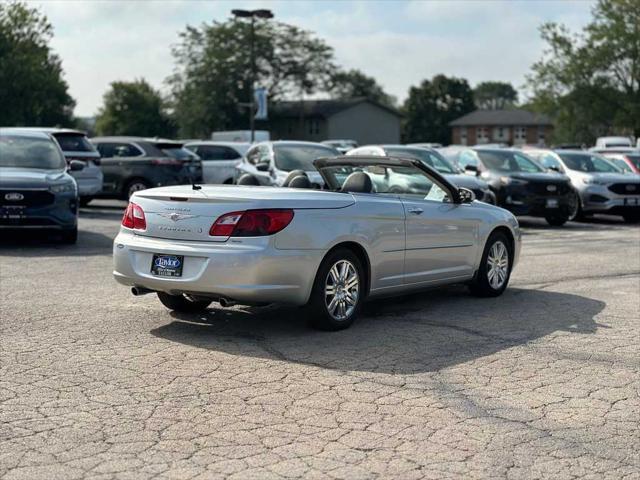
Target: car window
(430,159)
(467,157)
(301,157)
(621,164)
(588,163)
(635,159)
(73,142)
(216,152)
(118,149)
(179,153)
(508,161)
(548,160)
(30,152)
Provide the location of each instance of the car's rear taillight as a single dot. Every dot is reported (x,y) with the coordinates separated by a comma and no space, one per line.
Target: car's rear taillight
(251,223)
(134,217)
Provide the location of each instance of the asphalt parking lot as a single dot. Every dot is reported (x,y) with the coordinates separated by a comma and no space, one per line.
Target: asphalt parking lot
(541,382)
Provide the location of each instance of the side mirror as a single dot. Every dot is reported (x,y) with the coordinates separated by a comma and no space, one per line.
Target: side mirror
(555,168)
(75,165)
(262,167)
(466,195)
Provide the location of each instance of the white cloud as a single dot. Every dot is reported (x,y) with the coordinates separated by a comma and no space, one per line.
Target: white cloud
(400,43)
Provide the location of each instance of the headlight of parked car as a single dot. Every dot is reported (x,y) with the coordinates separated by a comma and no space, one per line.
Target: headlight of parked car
(63,187)
(512,181)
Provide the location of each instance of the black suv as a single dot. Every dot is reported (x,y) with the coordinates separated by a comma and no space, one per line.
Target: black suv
(521,185)
(130,164)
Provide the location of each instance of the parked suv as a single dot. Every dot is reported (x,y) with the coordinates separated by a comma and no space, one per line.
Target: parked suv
(219,159)
(601,187)
(520,183)
(270,163)
(75,146)
(432,159)
(36,192)
(130,164)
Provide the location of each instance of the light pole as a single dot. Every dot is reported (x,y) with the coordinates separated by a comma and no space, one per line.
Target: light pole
(252,14)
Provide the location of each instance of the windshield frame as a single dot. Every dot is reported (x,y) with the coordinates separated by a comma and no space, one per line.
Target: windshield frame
(431,174)
(397,152)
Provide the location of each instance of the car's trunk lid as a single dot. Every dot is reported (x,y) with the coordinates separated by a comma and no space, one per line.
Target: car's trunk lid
(182,213)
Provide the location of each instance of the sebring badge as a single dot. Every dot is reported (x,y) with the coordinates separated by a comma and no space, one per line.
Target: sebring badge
(14,196)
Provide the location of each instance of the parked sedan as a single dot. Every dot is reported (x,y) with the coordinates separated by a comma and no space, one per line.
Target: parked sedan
(36,192)
(432,159)
(326,249)
(521,185)
(275,163)
(219,159)
(75,146)
(600,186)
(131,164)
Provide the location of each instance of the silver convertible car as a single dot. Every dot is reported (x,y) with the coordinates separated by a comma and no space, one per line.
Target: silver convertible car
(327,250)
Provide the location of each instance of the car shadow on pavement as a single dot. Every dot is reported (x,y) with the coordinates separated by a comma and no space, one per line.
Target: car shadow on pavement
(417,333)
(47,244)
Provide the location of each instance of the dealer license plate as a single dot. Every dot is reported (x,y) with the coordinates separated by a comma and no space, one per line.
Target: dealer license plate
(552,203)
(631,201)
(167,265)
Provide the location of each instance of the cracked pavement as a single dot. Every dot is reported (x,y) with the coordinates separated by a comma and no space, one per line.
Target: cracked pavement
(543,382)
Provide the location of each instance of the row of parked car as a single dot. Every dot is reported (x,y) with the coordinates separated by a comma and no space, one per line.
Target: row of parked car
(36,188)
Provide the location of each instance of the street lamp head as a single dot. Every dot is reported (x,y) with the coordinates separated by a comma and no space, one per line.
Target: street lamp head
(252,13)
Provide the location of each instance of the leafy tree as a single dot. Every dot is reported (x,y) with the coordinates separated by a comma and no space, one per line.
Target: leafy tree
(432,105)
(590,81)
(133,108)
(32,88)
(495,95)
(354,83)
(213,71)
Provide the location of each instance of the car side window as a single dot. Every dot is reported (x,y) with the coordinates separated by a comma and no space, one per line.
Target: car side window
(524,164)
(467,157)
(548,161)
(105,150)
(216,152)
(110,150)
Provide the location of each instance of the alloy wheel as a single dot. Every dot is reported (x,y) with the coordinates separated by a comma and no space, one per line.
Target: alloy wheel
(342,290)
(497,265)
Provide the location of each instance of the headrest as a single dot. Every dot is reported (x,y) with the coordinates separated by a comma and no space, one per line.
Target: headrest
(301,181)
(293,174)
(357,182)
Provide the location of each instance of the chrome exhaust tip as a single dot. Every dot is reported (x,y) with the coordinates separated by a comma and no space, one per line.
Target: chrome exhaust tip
(138,291)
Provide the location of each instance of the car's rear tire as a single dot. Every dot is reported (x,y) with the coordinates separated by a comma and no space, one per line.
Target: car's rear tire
(556,220)
(135,185)
(182,303)
(70,236)
(248,179)
(338,291)
(493,275)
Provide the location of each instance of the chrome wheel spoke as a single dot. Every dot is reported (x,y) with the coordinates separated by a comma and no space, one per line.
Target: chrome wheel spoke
(497,265)
(342,289)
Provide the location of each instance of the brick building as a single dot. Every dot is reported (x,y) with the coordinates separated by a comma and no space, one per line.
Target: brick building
(513,127)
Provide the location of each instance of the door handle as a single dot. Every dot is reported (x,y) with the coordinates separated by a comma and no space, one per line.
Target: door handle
(415,211)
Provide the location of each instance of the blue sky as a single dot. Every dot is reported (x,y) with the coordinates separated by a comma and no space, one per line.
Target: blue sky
(398,42)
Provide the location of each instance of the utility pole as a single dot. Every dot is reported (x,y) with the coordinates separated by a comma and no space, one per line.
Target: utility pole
(266,14)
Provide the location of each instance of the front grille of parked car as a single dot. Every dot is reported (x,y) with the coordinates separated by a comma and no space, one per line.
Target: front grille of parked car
(31,198)
(625,188)
(546,188)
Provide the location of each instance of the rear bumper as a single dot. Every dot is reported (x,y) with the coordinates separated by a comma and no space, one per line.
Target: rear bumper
(250,273)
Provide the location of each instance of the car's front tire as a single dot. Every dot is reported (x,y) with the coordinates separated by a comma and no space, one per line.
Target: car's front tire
(493,275)
(556,220)
(182,303)
(84,201)
(338,291)
(70,236)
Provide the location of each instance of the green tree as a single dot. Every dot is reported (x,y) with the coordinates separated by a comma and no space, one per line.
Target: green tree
(590,81)
(32,88)
(133,108)
(431,106)
(213,71)
(495,95)
(354,83)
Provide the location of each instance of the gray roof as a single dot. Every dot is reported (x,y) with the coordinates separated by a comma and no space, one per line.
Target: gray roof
(501,117)
(323,108)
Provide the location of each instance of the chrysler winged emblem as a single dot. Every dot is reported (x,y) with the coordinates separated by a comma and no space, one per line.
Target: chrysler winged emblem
(175,217)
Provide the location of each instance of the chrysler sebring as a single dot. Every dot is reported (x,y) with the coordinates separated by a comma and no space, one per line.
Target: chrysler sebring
(328,250)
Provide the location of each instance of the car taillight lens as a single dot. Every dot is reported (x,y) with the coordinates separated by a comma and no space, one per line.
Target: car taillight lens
(251,223)
(134,217)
